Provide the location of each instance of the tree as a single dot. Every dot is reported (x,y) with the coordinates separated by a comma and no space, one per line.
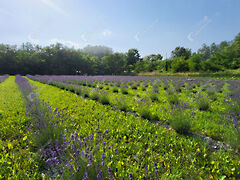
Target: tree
(181,52)
(98,51)
(133,56)
(153,57)
(179,64)
(194,62)
(114,63)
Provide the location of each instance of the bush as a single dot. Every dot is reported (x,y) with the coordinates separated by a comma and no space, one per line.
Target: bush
(134,87)
(124,90)
(173,99)
(104,99)
(115,90)
(203,104)
(94,95)
(233,138)
(180,123)
(154,97)
(122,104)
(145,112)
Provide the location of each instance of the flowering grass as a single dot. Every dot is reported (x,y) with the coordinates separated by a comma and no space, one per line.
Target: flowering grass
(132,147)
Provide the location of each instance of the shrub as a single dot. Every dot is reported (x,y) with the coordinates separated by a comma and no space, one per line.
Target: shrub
(153,97)
(233,137)
(104,99)
(78,90)
(100,86)
(122,104)
(115,90)
(180,123)
(143,88)
(94,95)
(124,90)
(203,104)
(173,99)
(134,87)
(85,93)
(212,94)
(145,112)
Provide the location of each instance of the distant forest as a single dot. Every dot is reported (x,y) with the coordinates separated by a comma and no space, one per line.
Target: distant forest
(100,60)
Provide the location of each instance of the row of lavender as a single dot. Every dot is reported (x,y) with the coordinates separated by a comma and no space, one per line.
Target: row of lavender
(2,78)
(48,137)
(230,119)
(215,84)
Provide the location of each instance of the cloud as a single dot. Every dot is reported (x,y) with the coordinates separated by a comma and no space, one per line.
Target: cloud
(148,28)
(203,24)
(190,36)
(65,42)
(136,37)
(107,33)
(53,6)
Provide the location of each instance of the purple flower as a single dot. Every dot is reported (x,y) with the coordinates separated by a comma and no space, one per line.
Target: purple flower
(130,175)
(106,131)
(85,176)
(103,163)
(109,171)
(103,156)
(72,136)
(115,149)
(99,175)
(48,161)
(109,147)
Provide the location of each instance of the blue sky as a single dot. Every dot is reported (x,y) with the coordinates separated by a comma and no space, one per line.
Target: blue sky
(151,26)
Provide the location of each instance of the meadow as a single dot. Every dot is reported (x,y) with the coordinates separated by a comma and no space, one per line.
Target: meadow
(119,127)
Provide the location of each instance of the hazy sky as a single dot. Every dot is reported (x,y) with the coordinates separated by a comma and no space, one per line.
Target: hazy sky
(151,26)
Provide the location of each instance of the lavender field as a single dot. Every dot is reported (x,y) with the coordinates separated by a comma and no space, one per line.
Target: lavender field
(119,127)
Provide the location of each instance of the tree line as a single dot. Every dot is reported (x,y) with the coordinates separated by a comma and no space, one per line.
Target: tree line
(58,59)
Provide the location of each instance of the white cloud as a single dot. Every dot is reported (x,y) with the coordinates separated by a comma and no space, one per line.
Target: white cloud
(54,6)
(65,42)
(136,37)
(107,33)
(147,29)
(203,24)
(190,36)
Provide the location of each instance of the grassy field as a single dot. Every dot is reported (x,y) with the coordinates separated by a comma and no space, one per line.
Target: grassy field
(227,74)
(76,127)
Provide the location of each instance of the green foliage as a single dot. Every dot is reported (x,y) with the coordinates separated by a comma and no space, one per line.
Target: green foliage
(180,122)
(181,52)
(114,63)
(137,138)
(154,97)
(104,99)
(179,65)
(203,103)
(16,159)
(115,90)
(124,91)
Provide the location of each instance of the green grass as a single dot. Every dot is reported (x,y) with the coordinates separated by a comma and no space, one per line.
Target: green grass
(16,159)
(140,142)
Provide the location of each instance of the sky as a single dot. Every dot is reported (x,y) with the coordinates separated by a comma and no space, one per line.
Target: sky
(151,26)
